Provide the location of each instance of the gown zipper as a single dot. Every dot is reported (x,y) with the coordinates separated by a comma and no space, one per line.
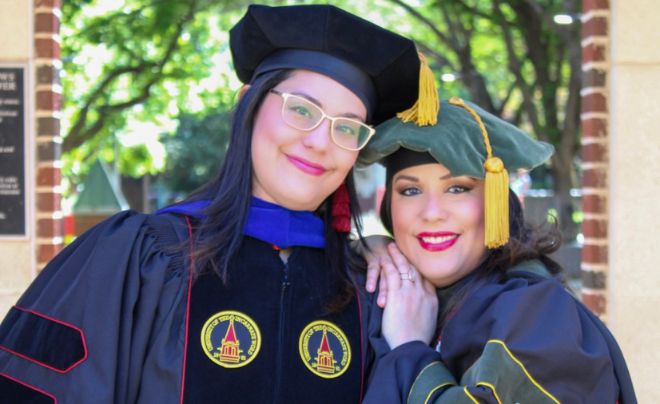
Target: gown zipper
(284,307)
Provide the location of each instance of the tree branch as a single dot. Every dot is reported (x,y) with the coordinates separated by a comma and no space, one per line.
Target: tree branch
(80,131)
(505,100)
(460,43)
(570,130)
(474,11)
(436,56)
(118,17)
(446,40)
(515,67)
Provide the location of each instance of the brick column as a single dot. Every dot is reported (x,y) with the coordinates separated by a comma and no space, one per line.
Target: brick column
(595,153)
(50,228)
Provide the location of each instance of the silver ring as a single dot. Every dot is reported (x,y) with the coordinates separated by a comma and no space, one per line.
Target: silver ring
(407,276)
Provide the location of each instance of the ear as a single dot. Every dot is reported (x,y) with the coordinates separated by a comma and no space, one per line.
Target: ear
(243,90)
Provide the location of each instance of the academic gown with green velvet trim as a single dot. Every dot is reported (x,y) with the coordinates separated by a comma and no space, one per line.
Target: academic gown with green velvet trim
(522,340)
(105,322)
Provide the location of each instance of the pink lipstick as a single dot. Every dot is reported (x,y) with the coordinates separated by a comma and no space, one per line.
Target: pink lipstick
(307,166)
(437,241)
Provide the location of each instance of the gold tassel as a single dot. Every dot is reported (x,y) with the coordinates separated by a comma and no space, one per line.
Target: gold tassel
(496,203)
(426,108)
(496,189)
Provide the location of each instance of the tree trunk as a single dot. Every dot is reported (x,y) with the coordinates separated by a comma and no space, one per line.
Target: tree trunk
(564,180)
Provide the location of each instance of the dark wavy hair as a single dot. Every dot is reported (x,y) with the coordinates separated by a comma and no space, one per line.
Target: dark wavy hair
(525,243)
(217,238)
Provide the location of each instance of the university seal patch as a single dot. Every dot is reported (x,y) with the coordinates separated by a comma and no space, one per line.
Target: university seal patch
(324,349)
(231,339)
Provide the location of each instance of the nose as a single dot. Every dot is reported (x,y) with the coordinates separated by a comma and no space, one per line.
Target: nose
(433,209)
(319,137)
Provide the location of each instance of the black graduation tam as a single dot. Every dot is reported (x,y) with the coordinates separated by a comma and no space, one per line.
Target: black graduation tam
(382,68)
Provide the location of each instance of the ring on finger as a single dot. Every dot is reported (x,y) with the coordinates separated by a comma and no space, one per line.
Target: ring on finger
(407,276)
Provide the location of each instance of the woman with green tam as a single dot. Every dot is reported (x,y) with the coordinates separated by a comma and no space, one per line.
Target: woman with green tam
(476,310)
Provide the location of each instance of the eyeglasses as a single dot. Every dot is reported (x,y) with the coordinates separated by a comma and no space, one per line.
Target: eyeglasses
(300,113)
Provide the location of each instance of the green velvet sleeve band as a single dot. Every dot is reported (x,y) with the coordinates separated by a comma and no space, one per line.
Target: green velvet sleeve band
(432,378)
(500,371)
(497,376)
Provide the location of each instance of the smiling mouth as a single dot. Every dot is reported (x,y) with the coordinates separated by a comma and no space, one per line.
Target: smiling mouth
(437,241)
(306,166)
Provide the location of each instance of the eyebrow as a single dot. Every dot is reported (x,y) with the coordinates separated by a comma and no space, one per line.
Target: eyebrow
(320,105)
(406,177)
(415,179)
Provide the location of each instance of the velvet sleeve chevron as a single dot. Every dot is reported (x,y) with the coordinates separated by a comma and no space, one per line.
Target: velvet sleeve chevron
(523,340)
(496,377)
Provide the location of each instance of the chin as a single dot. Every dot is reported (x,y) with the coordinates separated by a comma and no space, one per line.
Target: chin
(428,271)
(437,274)
(302,203)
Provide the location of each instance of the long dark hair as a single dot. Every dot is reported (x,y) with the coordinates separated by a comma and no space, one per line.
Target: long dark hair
(217,238)
(525,243)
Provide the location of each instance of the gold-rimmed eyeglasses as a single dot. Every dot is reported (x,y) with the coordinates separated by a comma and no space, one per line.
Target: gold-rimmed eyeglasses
(301,113)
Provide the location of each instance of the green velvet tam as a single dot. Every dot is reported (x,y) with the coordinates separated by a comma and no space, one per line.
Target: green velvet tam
(456,142)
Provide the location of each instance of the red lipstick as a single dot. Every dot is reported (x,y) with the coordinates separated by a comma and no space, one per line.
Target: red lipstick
(437,241)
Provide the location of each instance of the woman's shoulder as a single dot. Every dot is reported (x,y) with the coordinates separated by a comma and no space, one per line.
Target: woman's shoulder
(125,245)
(531,322)
(528,311)
(130,229)
(524,283)
(128,221)
(528,295)
(113,288)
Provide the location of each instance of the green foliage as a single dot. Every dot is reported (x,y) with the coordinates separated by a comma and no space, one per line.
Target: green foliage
(132,62)
(195,152)
(578,216)
(511,59)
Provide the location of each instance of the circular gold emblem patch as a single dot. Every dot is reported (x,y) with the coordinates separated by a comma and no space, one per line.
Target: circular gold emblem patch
(324,349)
(231,339)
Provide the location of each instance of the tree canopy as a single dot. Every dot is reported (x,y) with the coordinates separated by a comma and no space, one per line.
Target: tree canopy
(136,69)
(133,66)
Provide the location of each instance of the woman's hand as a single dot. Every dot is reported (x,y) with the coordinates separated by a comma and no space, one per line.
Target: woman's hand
(377,257)
(411,312)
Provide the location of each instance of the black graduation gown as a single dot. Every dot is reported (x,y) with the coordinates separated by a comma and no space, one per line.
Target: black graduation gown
(105,322)
(287,332)
(101,323)
(522,340)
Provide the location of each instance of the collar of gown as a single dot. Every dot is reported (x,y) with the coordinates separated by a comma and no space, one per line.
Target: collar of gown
(269,222)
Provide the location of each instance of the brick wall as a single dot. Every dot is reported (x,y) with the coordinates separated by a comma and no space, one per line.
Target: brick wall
(50,226)
(595,153)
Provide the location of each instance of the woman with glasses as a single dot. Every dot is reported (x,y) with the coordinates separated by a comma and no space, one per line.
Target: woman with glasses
(242,292)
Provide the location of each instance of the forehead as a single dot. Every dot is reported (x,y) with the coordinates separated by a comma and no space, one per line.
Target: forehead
(430,170)
(313,80)
(328,92)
